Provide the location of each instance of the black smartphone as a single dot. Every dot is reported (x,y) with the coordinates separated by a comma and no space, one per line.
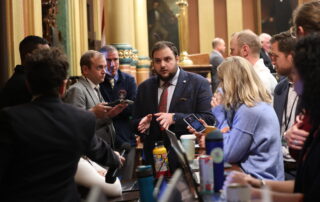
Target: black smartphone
(114,103)
(194,122)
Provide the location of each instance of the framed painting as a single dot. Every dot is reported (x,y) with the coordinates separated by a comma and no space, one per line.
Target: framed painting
(162,21)
(276,15)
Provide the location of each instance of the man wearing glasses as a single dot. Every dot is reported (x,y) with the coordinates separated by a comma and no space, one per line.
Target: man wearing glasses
(85,94)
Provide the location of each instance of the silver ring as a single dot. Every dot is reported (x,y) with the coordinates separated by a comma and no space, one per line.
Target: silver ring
(295,142)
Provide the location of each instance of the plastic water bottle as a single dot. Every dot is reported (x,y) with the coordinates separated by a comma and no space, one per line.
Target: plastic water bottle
(160,158)
(214,148)
(145,181)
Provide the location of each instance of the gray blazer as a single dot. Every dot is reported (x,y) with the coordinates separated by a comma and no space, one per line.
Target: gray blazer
(215,60)
(82,95)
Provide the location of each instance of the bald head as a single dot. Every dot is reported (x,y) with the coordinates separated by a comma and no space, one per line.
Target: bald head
(218,44)
(246,44)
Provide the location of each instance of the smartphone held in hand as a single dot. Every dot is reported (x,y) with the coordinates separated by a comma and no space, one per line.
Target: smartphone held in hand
(122,101)
(194,122)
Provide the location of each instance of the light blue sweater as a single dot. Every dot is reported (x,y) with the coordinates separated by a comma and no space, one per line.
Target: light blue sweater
(253,141)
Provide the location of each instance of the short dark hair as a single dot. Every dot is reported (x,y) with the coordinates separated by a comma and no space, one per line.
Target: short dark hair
(163,44)
(286,42)
(30,43)
(46,69)
(108,48)
(85,59)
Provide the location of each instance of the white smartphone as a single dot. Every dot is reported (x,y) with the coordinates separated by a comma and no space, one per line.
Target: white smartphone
(194,122)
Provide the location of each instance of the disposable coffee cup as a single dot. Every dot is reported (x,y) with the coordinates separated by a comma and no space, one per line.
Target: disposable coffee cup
(188,143)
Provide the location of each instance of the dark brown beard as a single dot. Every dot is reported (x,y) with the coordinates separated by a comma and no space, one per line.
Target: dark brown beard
(171,75)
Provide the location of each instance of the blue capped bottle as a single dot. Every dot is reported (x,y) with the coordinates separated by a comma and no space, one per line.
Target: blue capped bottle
(214,148)
(145,181)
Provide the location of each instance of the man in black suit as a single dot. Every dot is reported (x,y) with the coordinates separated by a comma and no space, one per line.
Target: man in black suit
(15,90)
(42,141)
(285,98)
(186,93)
(265,49)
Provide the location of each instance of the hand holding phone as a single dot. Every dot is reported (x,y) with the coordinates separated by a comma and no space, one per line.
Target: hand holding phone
(121,101)
(194,122)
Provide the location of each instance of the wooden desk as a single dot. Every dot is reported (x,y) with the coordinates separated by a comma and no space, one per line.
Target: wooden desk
(134,195)
(203,69)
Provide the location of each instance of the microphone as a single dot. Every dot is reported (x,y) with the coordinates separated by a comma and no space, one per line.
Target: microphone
(112,173)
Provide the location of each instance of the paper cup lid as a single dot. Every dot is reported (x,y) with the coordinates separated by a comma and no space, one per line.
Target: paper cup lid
(189,136)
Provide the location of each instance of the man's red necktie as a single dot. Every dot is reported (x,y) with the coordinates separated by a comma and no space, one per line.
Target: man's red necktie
(162,107)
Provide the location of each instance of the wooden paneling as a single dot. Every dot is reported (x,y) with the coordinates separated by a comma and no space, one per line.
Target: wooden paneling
(250,18)
(194,45)
(220,12)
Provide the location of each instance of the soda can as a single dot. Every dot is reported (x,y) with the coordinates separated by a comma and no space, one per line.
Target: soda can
(238,193)
(206,174)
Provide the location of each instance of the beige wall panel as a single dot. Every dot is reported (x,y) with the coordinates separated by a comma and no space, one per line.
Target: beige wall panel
(234,17)
(141,29)
(206,25)
(118,18)
(97,19)
(32,17)
(15,32)
(74,32)
(83,25)
(131,23)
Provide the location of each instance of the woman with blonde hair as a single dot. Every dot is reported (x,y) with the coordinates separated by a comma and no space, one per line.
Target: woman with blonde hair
(253,139)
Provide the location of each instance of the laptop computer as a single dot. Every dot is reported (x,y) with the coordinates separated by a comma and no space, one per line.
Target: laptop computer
(184,164)
(160,188)
(177,189)
(131,185)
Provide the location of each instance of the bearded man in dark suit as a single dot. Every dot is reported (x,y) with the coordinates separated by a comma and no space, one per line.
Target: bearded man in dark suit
(186,93)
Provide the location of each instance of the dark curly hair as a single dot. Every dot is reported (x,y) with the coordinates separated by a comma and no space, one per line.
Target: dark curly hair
(46,69)
(307,62)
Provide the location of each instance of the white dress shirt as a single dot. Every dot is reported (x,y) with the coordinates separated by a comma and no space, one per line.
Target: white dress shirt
(171,88)
(266,77)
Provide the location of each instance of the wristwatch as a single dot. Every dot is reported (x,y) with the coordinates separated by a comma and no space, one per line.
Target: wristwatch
(174,118)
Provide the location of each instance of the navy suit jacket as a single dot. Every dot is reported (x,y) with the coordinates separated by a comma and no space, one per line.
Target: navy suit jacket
(121,122)
(192,94)
(280,97)
(41,143)
(267,61)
